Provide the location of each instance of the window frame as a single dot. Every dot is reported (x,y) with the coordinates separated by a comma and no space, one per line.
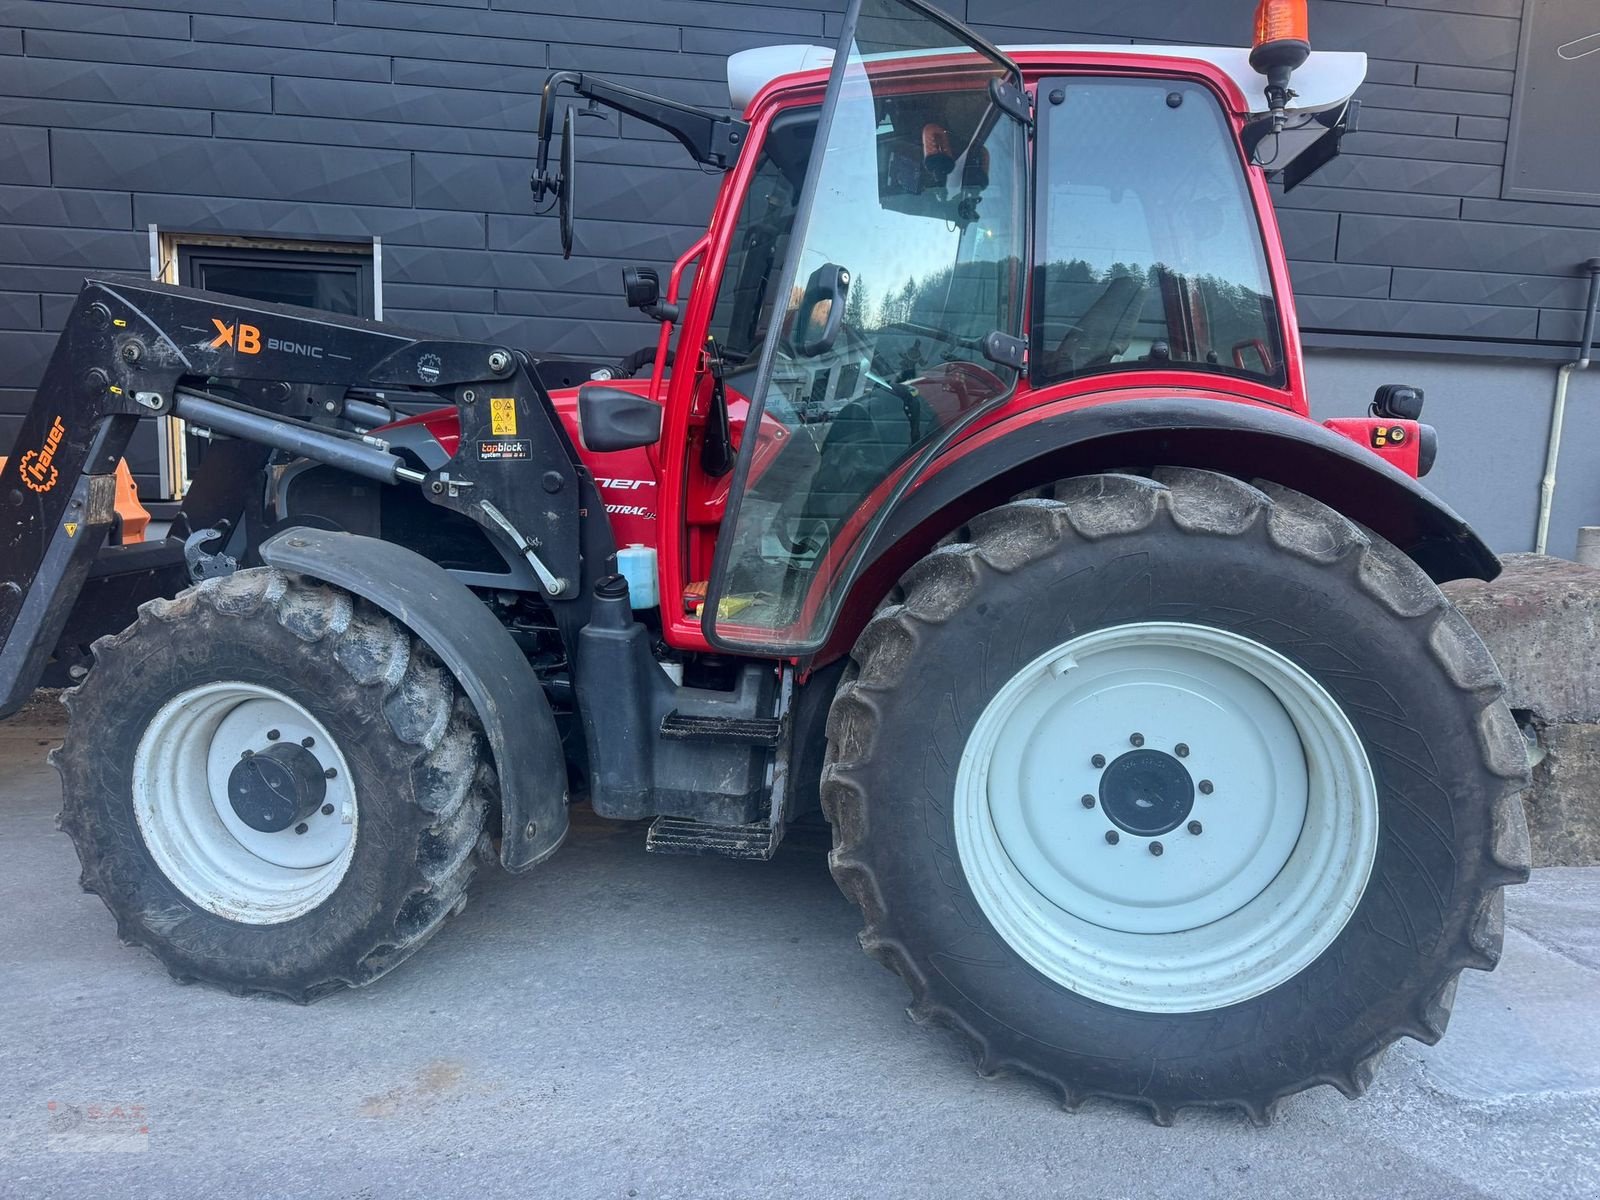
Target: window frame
(193,256)
(1282,378)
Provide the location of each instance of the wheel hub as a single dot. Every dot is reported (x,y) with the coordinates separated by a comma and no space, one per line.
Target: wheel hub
(1165,817)
(1147,793)
(277,788)
(245,802)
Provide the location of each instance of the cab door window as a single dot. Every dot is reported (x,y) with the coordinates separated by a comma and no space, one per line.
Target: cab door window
(1149,250)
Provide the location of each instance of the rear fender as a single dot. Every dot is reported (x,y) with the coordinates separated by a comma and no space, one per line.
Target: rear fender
(477,650)
(1244,440)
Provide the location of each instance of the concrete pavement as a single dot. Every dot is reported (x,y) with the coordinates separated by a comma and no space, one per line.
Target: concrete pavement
(626,1025)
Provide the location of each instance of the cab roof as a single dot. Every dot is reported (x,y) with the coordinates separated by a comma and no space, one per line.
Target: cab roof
(1327,80)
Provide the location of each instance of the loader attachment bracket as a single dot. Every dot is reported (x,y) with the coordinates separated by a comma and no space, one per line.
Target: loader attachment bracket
(238,369)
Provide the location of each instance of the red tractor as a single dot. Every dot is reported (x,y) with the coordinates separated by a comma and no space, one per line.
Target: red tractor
(979,509)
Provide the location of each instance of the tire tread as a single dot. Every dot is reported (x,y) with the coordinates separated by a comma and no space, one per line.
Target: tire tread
(1197,503)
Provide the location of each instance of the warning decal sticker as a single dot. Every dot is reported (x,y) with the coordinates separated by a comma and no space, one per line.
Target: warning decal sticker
(503,416)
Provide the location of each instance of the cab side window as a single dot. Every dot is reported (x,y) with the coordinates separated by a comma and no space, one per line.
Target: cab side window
(1150,252)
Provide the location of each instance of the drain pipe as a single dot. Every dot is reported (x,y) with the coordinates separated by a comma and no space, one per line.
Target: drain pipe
(1547,485)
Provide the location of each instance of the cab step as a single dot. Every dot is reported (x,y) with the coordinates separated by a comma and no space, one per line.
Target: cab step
(737,731)
(679,835)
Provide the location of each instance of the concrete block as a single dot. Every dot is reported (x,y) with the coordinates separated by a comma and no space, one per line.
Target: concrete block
(1563,805)
(1541,621)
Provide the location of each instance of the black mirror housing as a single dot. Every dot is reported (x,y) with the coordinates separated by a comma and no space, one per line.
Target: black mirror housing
(641,286)
(614,419)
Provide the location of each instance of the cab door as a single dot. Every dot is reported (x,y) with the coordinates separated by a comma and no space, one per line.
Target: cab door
(899,317)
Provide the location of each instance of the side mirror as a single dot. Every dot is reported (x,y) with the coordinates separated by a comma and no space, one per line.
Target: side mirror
(641,285)
(821,312)
(613,419)
(569,182)
(642,288)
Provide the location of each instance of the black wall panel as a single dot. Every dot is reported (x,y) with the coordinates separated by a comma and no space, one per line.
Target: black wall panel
(345,119)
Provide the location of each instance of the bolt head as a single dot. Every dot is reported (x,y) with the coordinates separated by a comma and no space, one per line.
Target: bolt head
(1087,801)
(1207,787)
(273,735)
(302,827)
(248,754)
(1136,740)
(1112,837)
(1157,849)
(331,773)
(308,742)
(327,810)
(1099,760)
(1181,749)
(1195,828)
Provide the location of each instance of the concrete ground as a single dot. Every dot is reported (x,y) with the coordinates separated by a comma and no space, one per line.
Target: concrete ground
(621,1025)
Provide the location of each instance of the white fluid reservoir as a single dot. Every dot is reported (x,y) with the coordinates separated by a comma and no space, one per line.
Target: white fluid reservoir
(637,564)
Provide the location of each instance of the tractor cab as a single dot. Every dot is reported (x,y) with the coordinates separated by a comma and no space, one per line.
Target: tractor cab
(984,231)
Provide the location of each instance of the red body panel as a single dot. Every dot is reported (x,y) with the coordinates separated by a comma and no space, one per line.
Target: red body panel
(1397,442)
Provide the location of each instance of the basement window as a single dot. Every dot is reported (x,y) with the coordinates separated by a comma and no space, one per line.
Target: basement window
(340,281)
(339,277)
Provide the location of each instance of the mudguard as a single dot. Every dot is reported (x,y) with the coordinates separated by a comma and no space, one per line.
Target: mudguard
(477,650)
(1248,441)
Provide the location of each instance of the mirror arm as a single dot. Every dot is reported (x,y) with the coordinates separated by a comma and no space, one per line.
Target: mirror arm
(713,140)
(543,182)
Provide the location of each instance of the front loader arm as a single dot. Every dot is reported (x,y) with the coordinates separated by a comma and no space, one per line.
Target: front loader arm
(135,348)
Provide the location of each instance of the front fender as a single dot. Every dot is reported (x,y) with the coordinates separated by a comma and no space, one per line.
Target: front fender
(477,650)
(1248,441)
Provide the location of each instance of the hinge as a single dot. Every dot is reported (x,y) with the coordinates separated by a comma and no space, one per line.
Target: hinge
(1012,99)
(1005,350)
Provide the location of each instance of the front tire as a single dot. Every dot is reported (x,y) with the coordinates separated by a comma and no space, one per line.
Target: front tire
(273,786)
(1280,866)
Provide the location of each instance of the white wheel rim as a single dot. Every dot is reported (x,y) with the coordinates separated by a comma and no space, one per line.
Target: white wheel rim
(180,797)
(1232,907)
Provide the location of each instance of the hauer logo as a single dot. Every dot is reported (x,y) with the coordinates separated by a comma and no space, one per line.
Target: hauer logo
(246,339)
(38,467)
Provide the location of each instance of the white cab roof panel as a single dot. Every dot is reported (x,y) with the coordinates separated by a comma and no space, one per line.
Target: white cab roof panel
(1326,81)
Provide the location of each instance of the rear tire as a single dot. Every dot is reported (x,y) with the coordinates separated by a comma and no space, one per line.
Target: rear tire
(147,799)
(1005,936)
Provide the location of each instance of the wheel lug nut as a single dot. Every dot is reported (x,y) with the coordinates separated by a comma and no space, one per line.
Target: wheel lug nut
(1206,787)
(308,742)
(273,735)
(1157,849)
(248,754)
(1137,739)
(1087,801)
(1195,827)
(1181,750)
(1112,837)
(327,811)
(330,773)
(302,827)
(1099,760)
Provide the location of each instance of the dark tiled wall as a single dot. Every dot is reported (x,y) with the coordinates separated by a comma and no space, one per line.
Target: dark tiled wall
(348,118)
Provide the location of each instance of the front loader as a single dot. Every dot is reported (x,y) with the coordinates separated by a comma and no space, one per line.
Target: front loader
(969,495)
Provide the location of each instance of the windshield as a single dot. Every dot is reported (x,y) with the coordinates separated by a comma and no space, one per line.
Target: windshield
(1149,248)
(910,255)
